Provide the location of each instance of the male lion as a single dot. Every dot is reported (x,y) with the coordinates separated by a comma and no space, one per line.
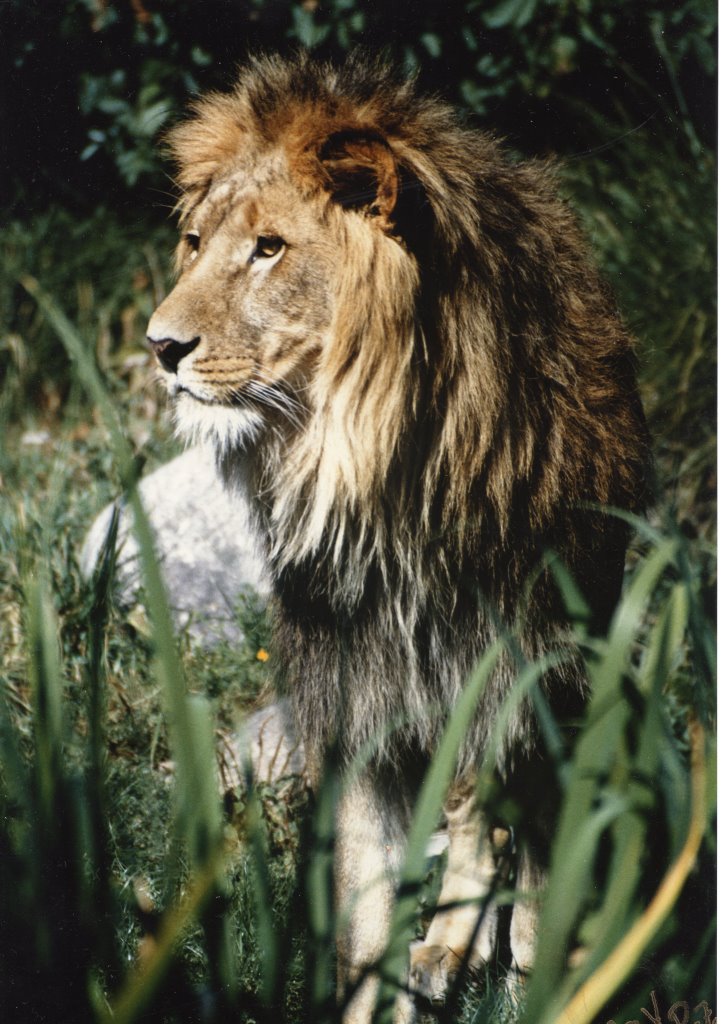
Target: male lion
(396,342)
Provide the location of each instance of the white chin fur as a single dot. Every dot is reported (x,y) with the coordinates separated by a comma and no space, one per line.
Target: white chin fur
(223,426)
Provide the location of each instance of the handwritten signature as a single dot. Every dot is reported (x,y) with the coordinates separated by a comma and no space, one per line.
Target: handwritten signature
(678,1013)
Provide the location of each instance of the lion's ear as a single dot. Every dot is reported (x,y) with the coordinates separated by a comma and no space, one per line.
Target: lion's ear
(361,173)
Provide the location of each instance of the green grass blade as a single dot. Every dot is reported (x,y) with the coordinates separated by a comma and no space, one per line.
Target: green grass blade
(47,690)
(100,885)
(266,932)
(526,683)
(197,800)
(631,829)
(200,815)
(141,986)
(595,752)
(393,964)
(578,612)
(322,921)
(593,995)
(197,790)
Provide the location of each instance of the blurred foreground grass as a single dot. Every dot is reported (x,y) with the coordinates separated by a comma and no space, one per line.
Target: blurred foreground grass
(131,892)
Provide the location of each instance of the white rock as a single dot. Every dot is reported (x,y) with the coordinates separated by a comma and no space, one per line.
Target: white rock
(204,544)
(268,742)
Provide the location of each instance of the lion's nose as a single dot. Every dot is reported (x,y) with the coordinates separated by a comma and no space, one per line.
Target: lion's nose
(170,352)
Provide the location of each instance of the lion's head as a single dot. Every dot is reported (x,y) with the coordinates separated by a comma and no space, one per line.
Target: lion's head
(294,314)
(402,331)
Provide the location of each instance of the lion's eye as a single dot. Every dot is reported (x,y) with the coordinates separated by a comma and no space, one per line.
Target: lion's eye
(193,241)
(266,247)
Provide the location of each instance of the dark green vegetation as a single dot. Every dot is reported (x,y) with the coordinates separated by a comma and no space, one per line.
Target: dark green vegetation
(107,856)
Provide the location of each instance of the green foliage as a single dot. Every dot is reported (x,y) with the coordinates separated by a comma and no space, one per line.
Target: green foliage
(55,870)
(61,829)
(241,920)
(648,215)
(111,274)
(263,944)
(113,74)
(621,779)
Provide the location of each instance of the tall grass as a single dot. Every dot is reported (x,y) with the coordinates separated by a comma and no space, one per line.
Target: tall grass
(235,941)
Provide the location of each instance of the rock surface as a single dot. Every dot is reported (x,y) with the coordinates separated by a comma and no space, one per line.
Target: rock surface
(203,541)
(208,556)
(266,740)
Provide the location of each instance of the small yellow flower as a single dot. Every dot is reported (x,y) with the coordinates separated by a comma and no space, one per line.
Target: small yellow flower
(262,655)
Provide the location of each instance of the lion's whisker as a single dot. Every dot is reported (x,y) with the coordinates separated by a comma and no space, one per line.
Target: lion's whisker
(266,378)
(277,399)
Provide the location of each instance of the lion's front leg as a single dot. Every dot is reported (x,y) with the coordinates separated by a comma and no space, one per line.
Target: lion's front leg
(464,926)
(370,840)
(529,884)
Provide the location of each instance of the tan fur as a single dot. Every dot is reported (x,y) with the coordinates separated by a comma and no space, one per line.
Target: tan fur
(423,391)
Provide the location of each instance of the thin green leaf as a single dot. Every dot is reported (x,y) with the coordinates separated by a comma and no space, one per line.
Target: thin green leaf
(322,921)
(595,751)
(47,690)
(262,893)
(427,811)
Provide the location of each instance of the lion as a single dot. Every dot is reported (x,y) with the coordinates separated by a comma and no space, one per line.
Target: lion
(394,338)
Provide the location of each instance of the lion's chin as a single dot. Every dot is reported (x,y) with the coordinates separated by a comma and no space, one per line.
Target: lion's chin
(225,427)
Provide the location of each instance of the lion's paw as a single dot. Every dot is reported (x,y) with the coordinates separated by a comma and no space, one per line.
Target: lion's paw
(432,968)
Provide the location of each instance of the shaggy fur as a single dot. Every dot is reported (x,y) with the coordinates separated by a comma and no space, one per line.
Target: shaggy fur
(423,390)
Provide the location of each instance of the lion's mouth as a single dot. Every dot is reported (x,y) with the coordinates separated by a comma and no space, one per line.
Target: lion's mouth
(240,398)
(271,401)
(181,390)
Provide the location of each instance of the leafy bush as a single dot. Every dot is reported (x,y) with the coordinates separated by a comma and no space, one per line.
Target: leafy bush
(112,73)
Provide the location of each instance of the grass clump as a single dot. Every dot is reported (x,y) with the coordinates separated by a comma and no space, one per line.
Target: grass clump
(129,878)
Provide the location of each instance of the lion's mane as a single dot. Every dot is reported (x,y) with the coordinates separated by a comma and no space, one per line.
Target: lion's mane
(477,407)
